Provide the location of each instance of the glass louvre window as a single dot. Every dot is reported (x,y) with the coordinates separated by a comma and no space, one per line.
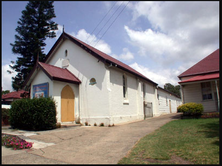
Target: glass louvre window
(206,91)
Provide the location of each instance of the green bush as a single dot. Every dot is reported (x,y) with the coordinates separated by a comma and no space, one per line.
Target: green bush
(5,113)
(33,114)
(191,109)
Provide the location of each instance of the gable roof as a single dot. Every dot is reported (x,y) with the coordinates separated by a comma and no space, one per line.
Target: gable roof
(209,64)
(14,95)
(59,74)
(96,53)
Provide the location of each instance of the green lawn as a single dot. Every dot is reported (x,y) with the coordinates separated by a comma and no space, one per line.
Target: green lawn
(194,141)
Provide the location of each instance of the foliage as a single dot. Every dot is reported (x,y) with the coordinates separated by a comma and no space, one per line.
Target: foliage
(33,114)
(173,89)
(5,113)
(192,141)
(34,26)
(191,108)
(5,92)
(11,141)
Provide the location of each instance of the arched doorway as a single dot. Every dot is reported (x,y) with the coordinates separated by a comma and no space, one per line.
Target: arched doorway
(67,104)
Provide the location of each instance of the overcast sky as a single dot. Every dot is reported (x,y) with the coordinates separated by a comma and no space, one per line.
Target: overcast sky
(159,39)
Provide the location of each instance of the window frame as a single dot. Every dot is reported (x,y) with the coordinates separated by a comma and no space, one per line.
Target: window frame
(206,91)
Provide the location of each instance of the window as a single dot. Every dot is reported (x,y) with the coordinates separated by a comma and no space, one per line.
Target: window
(144,91)
(166,101)
(124,86)
(206,91)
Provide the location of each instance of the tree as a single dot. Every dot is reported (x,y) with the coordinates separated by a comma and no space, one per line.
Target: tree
(172,88)
(34,26)
(5,92)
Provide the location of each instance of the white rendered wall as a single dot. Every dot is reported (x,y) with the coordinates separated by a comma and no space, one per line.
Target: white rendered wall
(123,110)
(151,97)
(131,108)
(164,106)
(93,99)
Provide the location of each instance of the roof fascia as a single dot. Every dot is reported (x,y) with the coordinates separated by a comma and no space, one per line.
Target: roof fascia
(210,72)
(194,82)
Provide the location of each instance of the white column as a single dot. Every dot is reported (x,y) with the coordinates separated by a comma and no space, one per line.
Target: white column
(218,97)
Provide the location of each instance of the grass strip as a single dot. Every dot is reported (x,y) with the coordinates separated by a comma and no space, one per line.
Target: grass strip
(187,141)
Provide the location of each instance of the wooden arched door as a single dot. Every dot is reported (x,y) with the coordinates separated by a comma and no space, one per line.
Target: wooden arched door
(67,104)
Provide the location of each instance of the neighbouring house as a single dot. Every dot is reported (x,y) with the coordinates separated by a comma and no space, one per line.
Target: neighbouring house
(200,83)
(91,87)
(8,98)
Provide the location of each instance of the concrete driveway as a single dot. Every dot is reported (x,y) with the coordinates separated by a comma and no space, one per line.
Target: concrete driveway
(85,144)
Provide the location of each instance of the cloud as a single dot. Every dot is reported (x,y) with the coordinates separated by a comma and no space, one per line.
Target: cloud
(92,40)
(59,31)
(7,78)
(158,75)
(125,56)
(101,45)
(181,33)
(153,44)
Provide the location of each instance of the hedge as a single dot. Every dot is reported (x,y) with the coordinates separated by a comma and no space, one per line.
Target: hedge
(33,114)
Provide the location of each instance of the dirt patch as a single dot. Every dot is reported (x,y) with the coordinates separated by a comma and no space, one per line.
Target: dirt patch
(174,160)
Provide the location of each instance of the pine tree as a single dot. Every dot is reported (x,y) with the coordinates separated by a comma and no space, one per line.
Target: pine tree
(34,26)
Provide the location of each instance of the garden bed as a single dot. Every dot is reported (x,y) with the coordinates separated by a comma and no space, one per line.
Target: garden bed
(203,115)
(15,142)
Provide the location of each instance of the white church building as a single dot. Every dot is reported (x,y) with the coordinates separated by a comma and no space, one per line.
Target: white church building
(91,87)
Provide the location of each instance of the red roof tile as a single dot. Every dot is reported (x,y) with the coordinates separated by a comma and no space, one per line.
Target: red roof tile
(202,78)
(207,65)
(59,74)
(13,95)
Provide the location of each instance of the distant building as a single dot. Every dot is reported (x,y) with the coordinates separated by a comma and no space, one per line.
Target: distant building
(8,98)
(200,83)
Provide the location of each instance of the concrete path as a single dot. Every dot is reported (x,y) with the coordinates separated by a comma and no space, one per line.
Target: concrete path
(83,145)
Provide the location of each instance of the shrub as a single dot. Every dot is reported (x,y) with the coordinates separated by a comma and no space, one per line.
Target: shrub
(33,114)
(5,113)
(191,109)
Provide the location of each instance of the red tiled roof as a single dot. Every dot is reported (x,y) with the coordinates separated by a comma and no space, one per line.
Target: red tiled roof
(100,55)
(59,74)
(207,65)
(13,95)
(202,78)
